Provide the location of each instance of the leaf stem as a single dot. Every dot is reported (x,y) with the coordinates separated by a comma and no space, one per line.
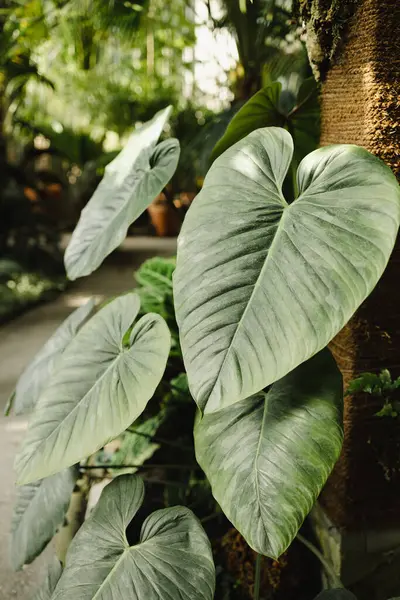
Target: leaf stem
(210,517)
(159,440)
(257,577)
(328,567)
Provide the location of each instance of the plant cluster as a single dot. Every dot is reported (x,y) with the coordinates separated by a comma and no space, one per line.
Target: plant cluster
(260,287)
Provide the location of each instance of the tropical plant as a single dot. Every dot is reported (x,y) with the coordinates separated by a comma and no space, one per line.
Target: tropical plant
(262,30)
(260,288)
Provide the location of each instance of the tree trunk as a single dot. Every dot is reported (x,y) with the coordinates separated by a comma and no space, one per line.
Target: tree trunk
(360,105)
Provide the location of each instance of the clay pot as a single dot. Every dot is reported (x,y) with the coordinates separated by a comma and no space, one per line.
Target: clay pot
(164,217)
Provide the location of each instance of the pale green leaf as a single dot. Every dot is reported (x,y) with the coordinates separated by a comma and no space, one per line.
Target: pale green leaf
(260,285)
(99,388)
(39,511)
(131,182)
(49,584)
(172,559)
(35,377)
(268,457)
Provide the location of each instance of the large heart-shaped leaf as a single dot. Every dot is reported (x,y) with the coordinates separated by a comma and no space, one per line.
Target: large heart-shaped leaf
(39,510)
(101,385)
(268,456)
(49,584)
(337,594)
(261,285)
(172,559)
(131,182)
(35,377)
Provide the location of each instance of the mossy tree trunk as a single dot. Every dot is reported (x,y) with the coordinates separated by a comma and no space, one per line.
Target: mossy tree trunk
(354,47)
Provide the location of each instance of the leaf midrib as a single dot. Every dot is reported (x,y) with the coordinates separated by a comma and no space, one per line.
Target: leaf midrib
(122,208)
(77,406)
(255,288)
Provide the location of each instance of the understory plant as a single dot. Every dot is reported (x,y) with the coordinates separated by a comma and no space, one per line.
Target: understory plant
(260,287)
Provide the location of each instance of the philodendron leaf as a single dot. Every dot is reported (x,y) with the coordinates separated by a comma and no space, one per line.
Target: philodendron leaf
(266,109)
(337,594)
(49,584)
(172,559)
(35,377)
(262,110)
(268,456)
(39,511)
(261,286)
(100,387)
(131,182)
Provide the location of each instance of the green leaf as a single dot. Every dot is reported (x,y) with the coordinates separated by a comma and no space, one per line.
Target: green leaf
(337,594)
(261,286)
(99,388)
(260,111)
(268,457)
(52,578)
(266,109)
(303,121)
(155,280)
(131,182)
(157,273)
(172,559)
(39,510)
(367,382)
(35,377)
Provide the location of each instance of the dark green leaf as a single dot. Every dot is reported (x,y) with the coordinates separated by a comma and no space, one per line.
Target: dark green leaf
(260,111)
(268,457)
(338,594)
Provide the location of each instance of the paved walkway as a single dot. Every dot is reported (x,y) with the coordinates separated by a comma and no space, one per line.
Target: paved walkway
(19,342)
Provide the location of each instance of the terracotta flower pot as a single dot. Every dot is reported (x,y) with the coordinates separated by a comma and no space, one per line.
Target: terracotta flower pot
(164,217)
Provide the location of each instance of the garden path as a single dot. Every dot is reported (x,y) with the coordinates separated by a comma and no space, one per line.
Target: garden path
(19,341)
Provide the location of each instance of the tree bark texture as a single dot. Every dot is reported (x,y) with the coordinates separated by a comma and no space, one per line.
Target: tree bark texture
(361,105)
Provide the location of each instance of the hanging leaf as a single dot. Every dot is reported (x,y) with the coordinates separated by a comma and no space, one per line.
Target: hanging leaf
(268,457)
(261,286)
(100,387)
(131,182)
(39,511)
(52,578)
(35,377)
(267,108)
(172,559)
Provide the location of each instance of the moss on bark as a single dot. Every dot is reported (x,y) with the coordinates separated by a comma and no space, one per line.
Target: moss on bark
(326,22)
